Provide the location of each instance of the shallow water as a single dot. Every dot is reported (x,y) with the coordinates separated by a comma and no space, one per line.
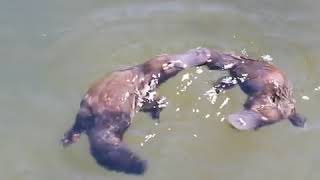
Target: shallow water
(53,50)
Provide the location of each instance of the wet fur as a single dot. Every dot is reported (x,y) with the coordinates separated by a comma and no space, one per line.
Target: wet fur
(270,98)
(107,109)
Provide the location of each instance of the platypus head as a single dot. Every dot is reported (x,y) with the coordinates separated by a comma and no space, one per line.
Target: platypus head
(166,66)
(222,61)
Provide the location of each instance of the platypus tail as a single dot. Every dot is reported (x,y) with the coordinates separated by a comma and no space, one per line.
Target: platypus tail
(111,153)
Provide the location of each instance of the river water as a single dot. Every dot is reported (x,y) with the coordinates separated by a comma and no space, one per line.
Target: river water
(51,51)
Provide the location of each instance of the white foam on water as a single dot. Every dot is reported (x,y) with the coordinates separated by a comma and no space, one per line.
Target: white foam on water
(162,102)
(305,98)
(211,95)
(267,58)
(199,70)
(244,52)
(147,138)
(186,82)
(185,77)
(225,102)
(189,83)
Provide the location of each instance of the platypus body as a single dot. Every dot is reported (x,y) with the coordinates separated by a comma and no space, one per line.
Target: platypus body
(270,98)
(107,109)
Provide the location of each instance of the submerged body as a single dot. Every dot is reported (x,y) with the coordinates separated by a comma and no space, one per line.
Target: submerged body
(270,98)
(107,109)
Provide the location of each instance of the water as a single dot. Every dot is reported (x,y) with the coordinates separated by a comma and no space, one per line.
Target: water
(51,51)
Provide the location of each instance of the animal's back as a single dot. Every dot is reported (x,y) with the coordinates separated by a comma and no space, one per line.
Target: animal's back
(112,103)
(115,92)
(269,88)
(258,76)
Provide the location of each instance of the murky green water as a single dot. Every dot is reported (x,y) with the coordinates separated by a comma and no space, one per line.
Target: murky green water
(51,51)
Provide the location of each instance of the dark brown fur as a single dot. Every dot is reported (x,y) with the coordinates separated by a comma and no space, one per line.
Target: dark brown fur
(110,104)
(270,97)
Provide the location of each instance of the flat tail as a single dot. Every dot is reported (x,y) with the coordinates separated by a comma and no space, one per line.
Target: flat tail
(245,120)
(112,154)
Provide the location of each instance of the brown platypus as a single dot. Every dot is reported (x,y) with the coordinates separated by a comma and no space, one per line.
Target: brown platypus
(270,98)
(107,109)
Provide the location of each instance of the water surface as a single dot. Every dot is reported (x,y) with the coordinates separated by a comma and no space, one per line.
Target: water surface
(53,50)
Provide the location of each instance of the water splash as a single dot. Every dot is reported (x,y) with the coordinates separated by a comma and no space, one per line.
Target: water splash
(207,116)
(185,77)
(222,119)
(305,98)
(147,138)
(244,52)
(199,70)
(225,102)
(267,58)
(211,95)
(183,87)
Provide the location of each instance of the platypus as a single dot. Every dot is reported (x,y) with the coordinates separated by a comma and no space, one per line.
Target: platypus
(270,97)
(107,108)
